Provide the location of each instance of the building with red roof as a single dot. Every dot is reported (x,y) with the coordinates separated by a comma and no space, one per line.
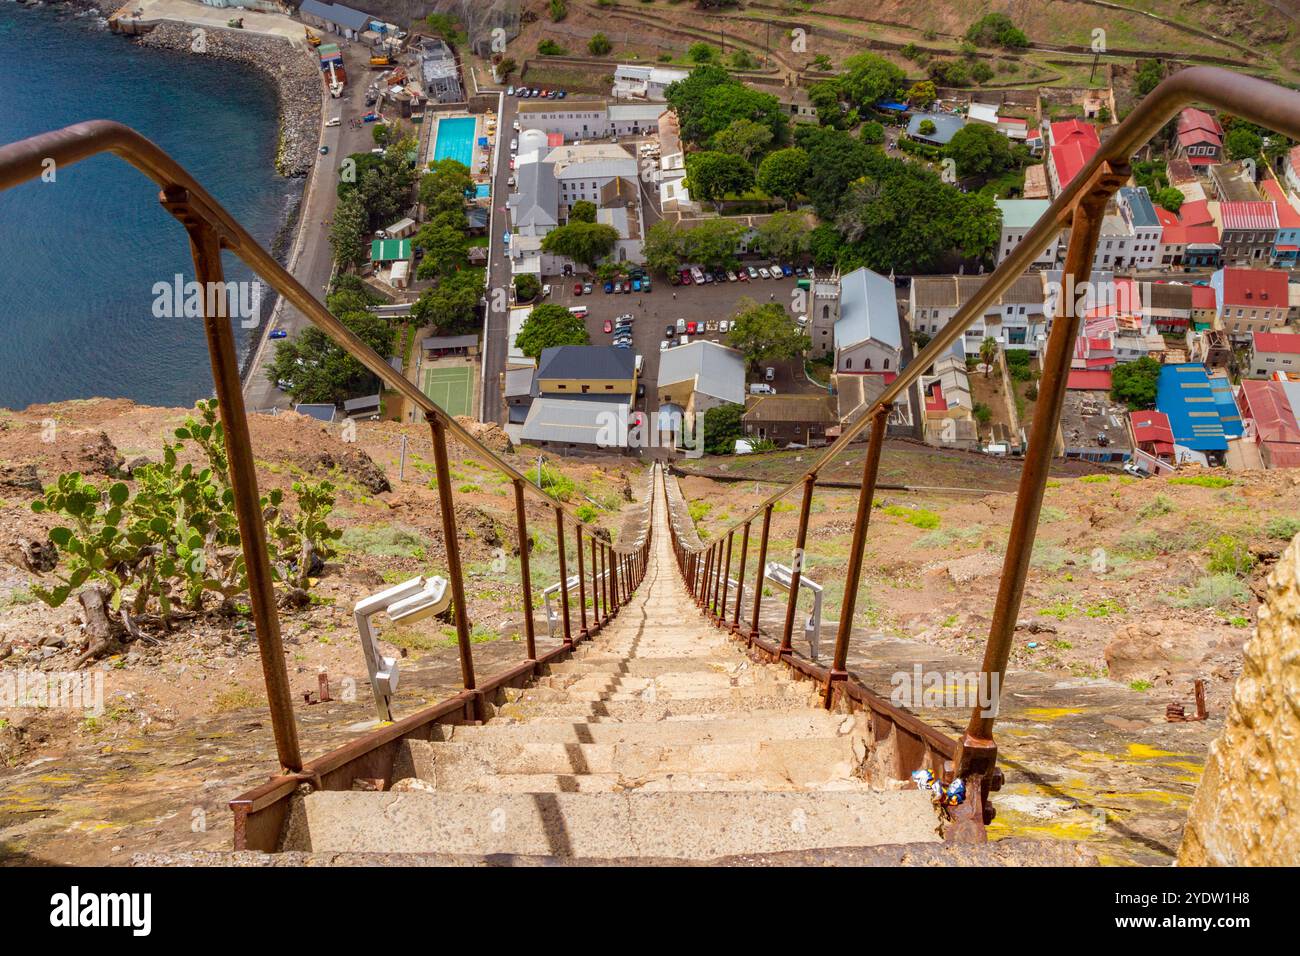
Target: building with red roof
(1073,144)
(1083,380)
(1189,237)
(1251,300)
(1267,406)
(1286,247)
(1273,352)
(1152,434)
(1200,137)
(1248,231)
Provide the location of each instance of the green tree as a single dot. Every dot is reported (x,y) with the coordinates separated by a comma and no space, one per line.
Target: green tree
(722,427)
(451,306)
(445,176)
(599,45)
(784,173)
(549,325)
(765,333)
(742,137)
(1149,75)
(872,133)
(702,53)
(824,95)
(506,67)
(997,29)
(551,48)
(663,247)
(559,10)
(923,94)
(585,242)
(1134,383)
(988,353)
(582,211)
(1168,198)
(349,230)
(980,150)
(712,176)
(868,79)
(783,236)
(445,249)
(712,243)
(839,159)
(1242,143)
(320,371)
(527,287)
(926,127)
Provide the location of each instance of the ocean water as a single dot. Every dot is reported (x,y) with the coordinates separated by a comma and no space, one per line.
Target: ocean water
(79,256)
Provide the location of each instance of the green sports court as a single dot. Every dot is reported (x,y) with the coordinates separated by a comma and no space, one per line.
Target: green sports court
(452,388)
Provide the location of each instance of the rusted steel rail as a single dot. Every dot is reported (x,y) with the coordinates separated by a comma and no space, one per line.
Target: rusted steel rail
(212,231)
(1080,207)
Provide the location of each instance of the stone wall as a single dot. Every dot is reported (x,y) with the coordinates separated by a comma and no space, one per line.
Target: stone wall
(1246,811)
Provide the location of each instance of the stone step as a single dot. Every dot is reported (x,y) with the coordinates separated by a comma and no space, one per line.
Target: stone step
(655,666)
(561,707)
(724,696)
(614,783)
(689,826)
(799,725)
(804,762)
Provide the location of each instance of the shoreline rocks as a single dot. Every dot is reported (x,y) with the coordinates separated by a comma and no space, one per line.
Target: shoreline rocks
(295,77)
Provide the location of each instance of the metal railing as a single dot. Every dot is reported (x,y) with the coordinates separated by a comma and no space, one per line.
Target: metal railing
(615,571)
(1081,207)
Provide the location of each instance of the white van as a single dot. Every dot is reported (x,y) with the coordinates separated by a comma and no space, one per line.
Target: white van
(681,325)
(333,121)
(579,310)
(759,388)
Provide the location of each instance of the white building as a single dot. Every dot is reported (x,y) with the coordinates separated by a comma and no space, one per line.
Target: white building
(572,119)
(1018,217)
(868,338)
(1018,317)
(644,82)
(1139,215)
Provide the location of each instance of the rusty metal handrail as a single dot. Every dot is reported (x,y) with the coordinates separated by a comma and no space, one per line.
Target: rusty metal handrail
(1081,206)
(213,230)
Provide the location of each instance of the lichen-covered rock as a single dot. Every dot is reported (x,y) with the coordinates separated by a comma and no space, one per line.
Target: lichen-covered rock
(1246,811)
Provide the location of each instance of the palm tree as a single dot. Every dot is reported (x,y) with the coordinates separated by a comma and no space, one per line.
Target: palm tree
(988,352)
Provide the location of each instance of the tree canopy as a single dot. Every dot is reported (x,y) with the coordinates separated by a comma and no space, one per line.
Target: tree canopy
(980,150)
(722,427)
(783,236)
(710,99)
(320,371)
(766,333)
(1135,382)
(867,79)
(784,173)
(713,176)
(451,306)
(585,242)
(744,138)
(445,249)
(711,243)
(549,325)
(997,29)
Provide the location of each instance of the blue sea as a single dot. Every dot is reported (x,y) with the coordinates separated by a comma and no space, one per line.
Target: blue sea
(79,256)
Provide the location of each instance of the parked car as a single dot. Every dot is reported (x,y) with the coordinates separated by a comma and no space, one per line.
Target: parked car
(769,374)
(609,287)
(681,326)
(279,334)
(636,285)
(724,325)
(608,326)
(670,330)
(720,275)
(763,273)
(731,276)
(586,288)
(753,273)
(510,91)
(324,150)
(645,284)
(787,271)
(665,345)
(687,278)
(563,93)
(742,275)
(758,388)
(577,288)
(691,327)
(697,276)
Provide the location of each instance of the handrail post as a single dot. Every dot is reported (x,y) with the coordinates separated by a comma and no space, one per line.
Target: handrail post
(451,541)
(604,583)
(595,588)
(717,582)
(615,603)
(758,576)
(853,575)
(721,617)
(702,585)
(801,539)
(564,573)
(583,632)
(205,248)
(525,572)
(740,578)
(977,752)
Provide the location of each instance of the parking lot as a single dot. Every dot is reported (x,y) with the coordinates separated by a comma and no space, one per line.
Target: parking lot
(652,312)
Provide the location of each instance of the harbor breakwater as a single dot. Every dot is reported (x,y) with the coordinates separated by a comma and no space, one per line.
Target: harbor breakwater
(295,75)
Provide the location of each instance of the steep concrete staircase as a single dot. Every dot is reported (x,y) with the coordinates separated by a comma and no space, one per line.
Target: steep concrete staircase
(659,739)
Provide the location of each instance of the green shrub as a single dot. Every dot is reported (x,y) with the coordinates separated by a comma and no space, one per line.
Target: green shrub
(1214,590)
(1201,481)
(1159,505)
(1229,555)
(1282,529)
(383,540)
(587,513)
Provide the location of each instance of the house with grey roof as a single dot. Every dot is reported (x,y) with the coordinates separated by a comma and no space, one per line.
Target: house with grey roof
(868,337)
(702,375)
(535,203)
(946,126)
(334,17)
(572,424)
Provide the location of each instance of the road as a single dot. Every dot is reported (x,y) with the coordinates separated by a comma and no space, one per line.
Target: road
(311,259)
(496,321)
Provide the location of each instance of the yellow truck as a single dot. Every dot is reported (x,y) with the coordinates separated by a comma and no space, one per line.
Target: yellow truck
(380,61)
(312,38)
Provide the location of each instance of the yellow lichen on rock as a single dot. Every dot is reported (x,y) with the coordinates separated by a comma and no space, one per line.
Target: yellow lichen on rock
(1247,809)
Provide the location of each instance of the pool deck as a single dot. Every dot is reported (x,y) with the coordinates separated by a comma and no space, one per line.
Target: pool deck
(479,156)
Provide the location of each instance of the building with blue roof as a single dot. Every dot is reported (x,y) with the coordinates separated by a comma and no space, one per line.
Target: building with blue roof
(946,126)
(1201,410)
(1139,215)
(334,17)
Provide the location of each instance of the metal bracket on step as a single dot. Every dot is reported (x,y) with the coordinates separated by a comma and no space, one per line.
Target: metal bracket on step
(411,601)
(780,576)
(553,613)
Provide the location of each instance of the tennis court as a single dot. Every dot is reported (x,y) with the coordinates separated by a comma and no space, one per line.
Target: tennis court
(452,389)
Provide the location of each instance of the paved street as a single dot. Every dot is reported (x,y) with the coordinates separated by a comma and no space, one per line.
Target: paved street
(312,261)
(496,323)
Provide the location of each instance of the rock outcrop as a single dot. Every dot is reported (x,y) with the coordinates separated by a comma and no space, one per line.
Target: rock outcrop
(1247,809)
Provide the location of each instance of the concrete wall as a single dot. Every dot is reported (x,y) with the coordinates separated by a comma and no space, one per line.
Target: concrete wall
(1246,811)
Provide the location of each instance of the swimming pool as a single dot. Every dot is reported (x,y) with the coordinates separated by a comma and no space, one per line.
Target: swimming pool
(456,140)
(483,191)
